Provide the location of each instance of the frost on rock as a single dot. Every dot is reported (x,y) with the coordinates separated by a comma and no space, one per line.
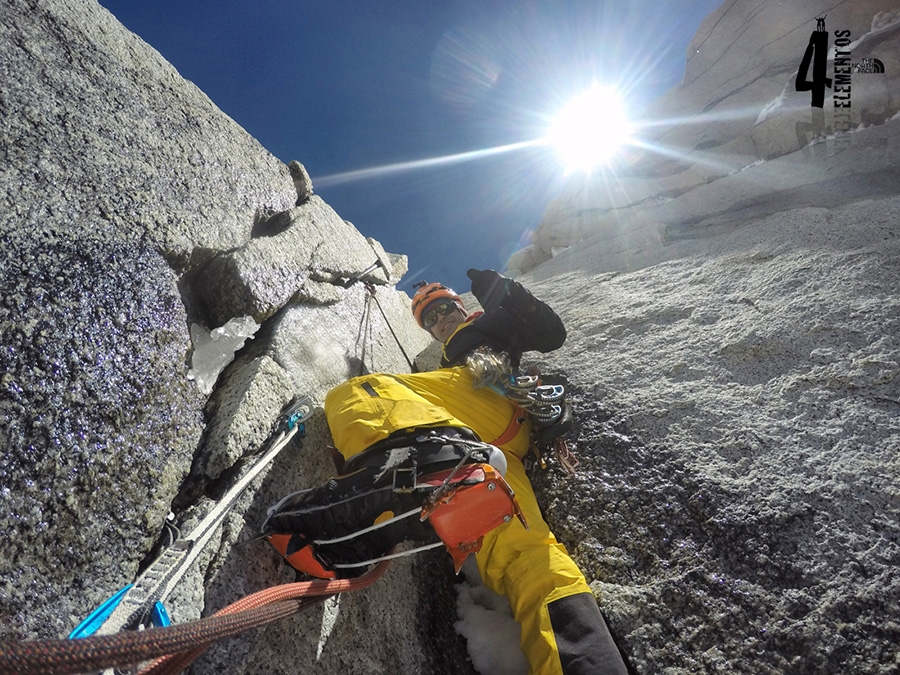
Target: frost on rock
(215,349)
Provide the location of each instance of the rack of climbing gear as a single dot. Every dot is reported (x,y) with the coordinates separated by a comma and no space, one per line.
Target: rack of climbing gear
(545,404)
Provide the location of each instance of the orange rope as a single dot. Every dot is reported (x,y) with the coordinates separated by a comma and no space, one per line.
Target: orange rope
(100,652)
(171,664)
(314,591)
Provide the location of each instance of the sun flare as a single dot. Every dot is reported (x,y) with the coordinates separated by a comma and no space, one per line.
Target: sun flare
(589,129)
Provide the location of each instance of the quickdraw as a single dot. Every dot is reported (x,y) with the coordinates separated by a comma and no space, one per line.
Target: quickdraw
(564,456)
(141,604)
(174,647)
(110,637)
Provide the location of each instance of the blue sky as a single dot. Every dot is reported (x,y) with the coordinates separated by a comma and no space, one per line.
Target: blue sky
(347,85)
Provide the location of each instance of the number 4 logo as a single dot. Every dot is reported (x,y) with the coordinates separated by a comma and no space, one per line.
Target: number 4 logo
(817,53)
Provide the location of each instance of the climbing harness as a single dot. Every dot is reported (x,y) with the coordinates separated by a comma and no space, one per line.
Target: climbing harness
(141,604)
(545,404)
(460,525)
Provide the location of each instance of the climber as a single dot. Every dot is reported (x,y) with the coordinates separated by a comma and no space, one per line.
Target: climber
(429,421)
(514,321)
(562,628)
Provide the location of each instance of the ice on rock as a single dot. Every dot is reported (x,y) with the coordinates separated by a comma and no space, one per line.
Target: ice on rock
(215,349)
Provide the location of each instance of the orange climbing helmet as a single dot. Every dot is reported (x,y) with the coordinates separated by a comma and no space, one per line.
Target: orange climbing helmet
(429,293)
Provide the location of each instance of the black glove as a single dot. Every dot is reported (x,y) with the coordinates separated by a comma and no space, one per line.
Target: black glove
(489,287)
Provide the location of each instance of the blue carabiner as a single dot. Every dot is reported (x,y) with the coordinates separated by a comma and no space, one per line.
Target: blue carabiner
(159,617)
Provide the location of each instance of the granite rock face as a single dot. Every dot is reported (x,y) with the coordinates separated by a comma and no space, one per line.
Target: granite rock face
(294,260)
(734,361)
(98,422)
(95,123)
(130,209)
(737,106)
(736,508)
(739,386)
(733,320)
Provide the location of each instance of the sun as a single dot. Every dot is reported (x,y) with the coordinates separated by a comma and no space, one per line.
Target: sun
(588,130)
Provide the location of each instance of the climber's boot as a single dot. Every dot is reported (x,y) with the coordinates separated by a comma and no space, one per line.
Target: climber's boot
(385,496)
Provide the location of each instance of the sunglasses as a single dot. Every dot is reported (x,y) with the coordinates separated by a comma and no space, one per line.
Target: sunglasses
(442,308)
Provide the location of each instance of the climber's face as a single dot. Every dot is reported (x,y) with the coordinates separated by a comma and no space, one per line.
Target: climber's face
(443,318)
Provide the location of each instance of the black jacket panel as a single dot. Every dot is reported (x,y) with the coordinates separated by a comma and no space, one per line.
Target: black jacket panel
(514,321)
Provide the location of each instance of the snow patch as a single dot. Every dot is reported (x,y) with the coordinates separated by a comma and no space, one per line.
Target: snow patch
(748,166)
(330,610)
(884,20)
(772,106)
(486,622)
(215,350)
